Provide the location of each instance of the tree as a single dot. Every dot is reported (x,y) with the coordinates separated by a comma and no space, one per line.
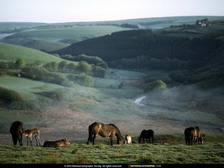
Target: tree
(20,63)
(62,65)
(71,67)
(157,85)
(84,66)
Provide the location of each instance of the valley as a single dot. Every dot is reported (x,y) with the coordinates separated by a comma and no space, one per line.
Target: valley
(164,74)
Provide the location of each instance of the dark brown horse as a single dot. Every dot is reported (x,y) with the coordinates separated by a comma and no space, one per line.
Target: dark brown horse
(16,131)
(104,130)
(193,135)
(146,136)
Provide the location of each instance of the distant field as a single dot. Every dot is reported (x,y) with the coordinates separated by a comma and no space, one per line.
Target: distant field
(44,45)
(215,30)
(168,149)
(9,52)
(63,34)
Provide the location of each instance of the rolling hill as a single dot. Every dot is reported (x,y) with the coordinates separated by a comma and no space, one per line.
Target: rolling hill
(9,52)
(61,34)
(44,45)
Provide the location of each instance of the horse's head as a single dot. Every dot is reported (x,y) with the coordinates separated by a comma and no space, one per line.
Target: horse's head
(66,142)
(120,140)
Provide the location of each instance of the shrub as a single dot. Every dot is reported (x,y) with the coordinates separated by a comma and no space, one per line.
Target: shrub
(9,95)
(20,63)
(81,79)
(51,66)
(99,71)
(84,66)
(157,85)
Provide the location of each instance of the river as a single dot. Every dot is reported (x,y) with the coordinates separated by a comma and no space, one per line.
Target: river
(139,99)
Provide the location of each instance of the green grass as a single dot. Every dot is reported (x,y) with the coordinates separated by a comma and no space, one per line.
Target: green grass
(10,52)
(102,153)
(69,34)
(26,87)
(44,45)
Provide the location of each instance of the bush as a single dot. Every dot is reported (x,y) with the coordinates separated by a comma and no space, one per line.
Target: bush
(157,85)
(84,66)
(51,66)
(9,95)
(20,63)
(37,73)
(81,79)
(99,71)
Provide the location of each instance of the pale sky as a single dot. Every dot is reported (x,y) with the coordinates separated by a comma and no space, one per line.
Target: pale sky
(52,11)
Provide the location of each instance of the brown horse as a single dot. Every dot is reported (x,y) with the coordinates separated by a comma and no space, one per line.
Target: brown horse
(57,143)
(30,133)
(198,136)
(104,130)
(193,135)
(146,136)
(16,131)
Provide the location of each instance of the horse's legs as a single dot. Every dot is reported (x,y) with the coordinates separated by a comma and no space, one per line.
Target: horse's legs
(111,140)
(31,141)
(20,140)
(27,140)
(93,139)
(39,142)
(14,138)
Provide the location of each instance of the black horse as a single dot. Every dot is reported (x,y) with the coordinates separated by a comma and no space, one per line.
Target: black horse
(104,130)
(146,136)
(16,131)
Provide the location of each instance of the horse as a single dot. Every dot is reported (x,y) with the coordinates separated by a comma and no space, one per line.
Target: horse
(16,131)
(198,136)
(30,133)
(104,130)
(189,135)
(193,135)
(57,143)
(128,139)
(146,136)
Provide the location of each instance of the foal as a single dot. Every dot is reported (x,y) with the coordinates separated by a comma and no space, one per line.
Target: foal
(30,133)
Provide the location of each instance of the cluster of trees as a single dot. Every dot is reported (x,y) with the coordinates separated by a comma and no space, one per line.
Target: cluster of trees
(142,48)
(93,60)
(47,72)
(80,67)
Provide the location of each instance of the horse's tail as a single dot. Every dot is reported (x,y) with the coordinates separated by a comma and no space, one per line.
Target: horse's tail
(90,138)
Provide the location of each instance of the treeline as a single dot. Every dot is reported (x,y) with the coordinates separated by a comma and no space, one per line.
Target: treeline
(79,72)
(148,50)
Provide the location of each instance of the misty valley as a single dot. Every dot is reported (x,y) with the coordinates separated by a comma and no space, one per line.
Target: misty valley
(164,74)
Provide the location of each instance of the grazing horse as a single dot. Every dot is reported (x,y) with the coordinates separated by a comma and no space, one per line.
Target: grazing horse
(30,133)
(128,139)
(104,130)
(146,136)
(16,131)
(193,135)
(198,137)
(57,143)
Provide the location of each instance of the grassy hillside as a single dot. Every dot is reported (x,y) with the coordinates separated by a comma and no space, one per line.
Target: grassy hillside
(44,45)
(10,52)
(168,149)
(63,34)
(13,27)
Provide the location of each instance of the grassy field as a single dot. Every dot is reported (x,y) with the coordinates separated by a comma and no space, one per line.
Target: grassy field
(44,45)
(9,52)
(64,34)
(168,149)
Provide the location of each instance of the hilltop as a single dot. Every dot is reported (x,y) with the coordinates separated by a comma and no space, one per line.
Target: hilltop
(9,52)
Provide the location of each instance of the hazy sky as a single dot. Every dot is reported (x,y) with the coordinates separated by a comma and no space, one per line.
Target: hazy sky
(100,10)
